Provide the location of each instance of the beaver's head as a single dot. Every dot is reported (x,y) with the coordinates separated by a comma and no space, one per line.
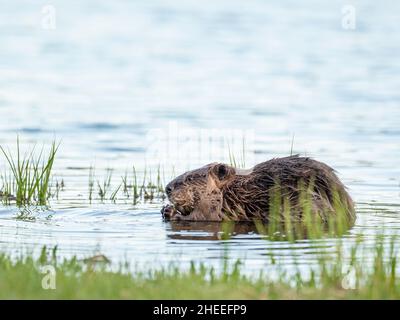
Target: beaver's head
(187,190)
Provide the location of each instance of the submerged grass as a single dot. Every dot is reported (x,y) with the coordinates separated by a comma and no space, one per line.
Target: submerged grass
(91,183)
(359,276)
(148,188)
(104,186)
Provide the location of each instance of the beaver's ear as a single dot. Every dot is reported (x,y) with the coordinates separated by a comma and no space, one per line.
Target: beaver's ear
(222,172)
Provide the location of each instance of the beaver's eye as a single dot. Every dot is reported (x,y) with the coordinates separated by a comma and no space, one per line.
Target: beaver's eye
(189,179)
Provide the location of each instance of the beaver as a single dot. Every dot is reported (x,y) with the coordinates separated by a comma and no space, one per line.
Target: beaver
(218,192)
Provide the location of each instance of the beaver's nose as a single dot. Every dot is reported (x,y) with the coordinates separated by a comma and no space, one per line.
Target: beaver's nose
(168,189)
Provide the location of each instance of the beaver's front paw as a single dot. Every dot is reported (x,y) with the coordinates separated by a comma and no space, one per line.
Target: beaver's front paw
(168,212)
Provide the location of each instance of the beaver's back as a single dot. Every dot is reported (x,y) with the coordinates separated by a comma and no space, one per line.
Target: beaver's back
(250,195)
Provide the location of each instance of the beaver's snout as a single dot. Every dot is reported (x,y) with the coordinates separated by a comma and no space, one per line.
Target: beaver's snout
(173,187)
(180,196)
(174,193)
(170,188)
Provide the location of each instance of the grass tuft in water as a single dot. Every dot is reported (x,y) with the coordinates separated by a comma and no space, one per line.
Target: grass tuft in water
(104,186)
(91,183)
(149,188)
(31,175)
(237,162)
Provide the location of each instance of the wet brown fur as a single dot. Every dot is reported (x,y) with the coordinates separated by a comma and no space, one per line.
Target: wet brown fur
(219,192)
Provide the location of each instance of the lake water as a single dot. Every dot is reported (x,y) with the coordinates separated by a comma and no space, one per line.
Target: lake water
(177,85)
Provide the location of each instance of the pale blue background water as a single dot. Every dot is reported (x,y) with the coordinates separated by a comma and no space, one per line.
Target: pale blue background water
(114,73)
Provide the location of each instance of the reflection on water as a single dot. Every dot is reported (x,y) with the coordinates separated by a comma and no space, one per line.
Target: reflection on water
(112,74)
(184,230)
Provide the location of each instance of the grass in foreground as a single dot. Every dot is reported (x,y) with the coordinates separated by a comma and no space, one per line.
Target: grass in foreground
(373,278)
